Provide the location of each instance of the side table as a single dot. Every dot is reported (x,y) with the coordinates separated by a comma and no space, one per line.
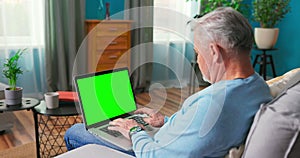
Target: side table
(51,125)
(263,62)
(27,104)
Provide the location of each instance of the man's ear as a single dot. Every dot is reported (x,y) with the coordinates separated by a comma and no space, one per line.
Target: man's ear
(216,52)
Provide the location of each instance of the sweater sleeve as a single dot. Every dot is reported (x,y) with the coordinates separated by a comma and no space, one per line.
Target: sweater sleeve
(209,123)
(166,119)
(177,138)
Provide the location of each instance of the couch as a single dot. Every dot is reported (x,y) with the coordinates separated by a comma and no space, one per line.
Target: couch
(275,129)
(276,126)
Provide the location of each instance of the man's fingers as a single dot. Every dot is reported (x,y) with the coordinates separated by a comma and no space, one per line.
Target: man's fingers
(112,123)
(114,128)
(147,119)
(117,122)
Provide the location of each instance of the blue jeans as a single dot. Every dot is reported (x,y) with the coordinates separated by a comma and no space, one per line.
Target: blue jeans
(78,136)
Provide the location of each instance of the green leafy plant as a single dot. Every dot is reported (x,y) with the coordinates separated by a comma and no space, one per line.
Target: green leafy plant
(11,69)
(210,5)
(269,12)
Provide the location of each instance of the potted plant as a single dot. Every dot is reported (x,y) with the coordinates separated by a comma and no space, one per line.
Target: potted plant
(268,13)
(11,70)
(210,5)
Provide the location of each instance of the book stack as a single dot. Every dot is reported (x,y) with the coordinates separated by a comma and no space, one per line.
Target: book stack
(67,97)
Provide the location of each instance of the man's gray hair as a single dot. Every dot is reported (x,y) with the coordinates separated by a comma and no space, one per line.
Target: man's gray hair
(227,27)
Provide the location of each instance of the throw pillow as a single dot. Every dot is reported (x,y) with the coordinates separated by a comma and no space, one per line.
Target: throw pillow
(275,130)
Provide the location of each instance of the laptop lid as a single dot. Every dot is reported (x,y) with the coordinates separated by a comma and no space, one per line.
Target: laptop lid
(104,96)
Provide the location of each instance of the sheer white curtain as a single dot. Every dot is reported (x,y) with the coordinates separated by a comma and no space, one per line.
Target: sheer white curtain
(22,26)
(172,41)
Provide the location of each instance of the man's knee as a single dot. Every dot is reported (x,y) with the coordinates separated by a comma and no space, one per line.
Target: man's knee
(75,130)
(72,133)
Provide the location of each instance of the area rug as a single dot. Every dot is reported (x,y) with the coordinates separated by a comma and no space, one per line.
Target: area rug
(22,151)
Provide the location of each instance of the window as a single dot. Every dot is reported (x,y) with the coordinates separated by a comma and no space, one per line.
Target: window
(182,7)
(21,23)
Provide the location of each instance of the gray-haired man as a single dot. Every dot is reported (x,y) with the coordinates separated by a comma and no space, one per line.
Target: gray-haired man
(213,120)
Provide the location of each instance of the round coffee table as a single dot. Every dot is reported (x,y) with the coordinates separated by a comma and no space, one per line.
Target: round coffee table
(27,104)
(51,125)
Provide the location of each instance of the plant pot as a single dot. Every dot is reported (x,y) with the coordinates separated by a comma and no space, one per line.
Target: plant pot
(13,97)
(266,38)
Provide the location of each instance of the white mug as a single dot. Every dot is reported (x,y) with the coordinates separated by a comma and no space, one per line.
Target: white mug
(51,99)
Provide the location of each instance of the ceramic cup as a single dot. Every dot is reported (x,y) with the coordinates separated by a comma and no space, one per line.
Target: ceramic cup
(51,99)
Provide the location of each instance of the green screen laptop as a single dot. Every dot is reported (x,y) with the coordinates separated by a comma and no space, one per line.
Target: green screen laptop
(104,96)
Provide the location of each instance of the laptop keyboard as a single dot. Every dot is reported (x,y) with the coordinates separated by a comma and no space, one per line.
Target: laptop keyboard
(140,120)
(111,132)
(117,134)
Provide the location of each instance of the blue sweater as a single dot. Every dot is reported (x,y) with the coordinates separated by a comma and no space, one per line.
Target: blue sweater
(209,123)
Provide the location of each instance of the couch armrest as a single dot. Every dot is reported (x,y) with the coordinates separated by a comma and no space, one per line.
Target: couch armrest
(276,79)
(278,84)
(94,151)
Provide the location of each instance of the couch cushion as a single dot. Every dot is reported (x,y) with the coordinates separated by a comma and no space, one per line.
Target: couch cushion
(275,130)
(278,84)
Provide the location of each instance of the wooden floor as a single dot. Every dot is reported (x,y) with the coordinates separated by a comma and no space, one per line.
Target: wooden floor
(22,131)
(166,101)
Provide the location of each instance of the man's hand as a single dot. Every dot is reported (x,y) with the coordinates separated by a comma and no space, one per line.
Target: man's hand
(123,126)
(155,119)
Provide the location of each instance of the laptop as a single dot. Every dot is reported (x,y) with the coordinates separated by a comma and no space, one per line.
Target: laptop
(105,96)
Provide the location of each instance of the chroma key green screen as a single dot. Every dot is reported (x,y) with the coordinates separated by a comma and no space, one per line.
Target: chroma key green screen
(106,96)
